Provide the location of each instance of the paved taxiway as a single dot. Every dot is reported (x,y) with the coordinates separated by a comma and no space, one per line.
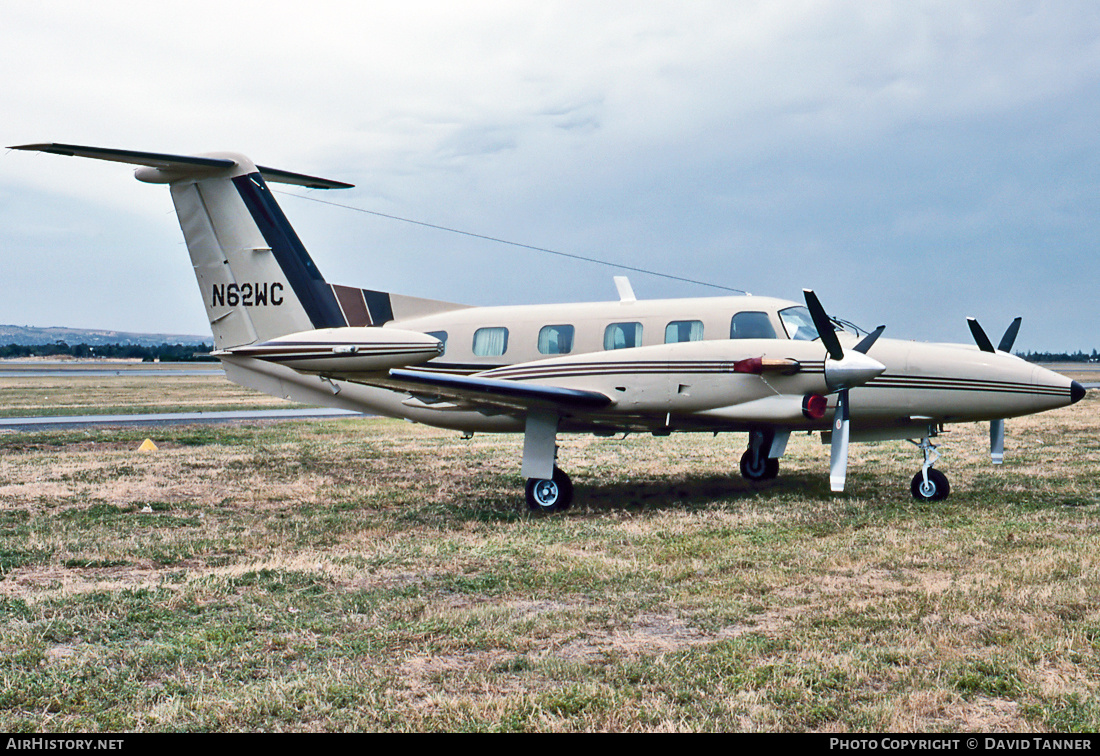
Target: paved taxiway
(72,369)
(167,418)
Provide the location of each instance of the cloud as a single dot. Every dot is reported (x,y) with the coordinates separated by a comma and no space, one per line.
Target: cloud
(879,151)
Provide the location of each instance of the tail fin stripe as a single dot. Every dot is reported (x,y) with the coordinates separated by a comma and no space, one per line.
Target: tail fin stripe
(352,303)
(379,305)
(315,295)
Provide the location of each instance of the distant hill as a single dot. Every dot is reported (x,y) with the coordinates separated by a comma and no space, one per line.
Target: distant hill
(28,335)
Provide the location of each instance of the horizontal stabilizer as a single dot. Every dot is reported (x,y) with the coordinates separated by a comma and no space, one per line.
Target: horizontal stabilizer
(344,351)
(181,165)
(300,179)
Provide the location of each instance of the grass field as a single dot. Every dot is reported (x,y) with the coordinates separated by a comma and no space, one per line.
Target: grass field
(370,574)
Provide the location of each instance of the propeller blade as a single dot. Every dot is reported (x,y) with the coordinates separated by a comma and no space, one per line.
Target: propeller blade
(824,326)
(997,441)
(841,373)
(1010,336)
(838,452)
(869,340)
(980,338)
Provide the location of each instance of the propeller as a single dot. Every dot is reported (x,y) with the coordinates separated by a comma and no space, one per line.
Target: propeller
(996,427)
(838,449)
(842,371)
(869,340)
(985,344)
(997,441)
(1010,336)
(980,338)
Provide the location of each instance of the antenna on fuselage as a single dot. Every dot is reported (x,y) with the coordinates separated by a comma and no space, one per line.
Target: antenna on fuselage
(626,291)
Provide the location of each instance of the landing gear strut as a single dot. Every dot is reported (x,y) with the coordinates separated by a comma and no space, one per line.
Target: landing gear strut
(929,484)
(554,495)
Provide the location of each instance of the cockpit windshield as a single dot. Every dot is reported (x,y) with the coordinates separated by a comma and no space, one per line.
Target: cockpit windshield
(799,324)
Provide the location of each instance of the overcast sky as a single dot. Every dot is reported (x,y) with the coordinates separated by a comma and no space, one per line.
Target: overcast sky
(913,162)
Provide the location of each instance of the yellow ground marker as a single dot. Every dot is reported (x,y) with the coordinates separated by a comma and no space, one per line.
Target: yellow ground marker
(147,446)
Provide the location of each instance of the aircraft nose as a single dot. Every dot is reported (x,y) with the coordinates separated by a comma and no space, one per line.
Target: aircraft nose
(1076,392)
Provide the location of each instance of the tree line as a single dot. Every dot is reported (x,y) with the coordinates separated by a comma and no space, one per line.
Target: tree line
(158,353)
(1059,356)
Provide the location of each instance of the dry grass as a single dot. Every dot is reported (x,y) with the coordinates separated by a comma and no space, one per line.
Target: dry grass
(368,574)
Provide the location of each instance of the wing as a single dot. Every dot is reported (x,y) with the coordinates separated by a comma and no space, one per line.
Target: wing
(494,394)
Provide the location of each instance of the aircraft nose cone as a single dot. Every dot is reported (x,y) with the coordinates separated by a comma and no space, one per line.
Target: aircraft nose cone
(1076,392)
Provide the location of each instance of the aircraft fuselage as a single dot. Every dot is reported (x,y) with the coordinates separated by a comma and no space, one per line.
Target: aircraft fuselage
(691,385)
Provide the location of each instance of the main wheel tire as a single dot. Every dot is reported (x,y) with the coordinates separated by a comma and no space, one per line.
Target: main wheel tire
(936,489)
(772,469)
(764,469)
(554,495)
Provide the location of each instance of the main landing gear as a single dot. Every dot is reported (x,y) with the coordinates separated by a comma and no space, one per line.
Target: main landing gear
(761,460)
(554,495)
(758,467)
(929,484)
(548,488)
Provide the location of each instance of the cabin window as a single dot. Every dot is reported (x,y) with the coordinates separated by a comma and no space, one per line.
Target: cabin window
(442,336)
(556,339)
(799,323)
(683,330)
(622,336)
(490,342)
(751,325)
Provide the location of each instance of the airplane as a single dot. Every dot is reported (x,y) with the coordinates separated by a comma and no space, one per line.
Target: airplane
(748,364)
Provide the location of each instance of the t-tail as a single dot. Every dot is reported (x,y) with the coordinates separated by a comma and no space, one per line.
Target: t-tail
(257,280)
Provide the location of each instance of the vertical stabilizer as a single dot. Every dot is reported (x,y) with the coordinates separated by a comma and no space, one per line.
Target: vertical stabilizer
(256,278)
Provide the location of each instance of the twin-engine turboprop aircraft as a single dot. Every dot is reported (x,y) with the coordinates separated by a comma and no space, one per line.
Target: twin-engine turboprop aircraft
(767,367)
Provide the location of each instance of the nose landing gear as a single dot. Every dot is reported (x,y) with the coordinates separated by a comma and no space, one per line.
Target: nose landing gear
(929,484)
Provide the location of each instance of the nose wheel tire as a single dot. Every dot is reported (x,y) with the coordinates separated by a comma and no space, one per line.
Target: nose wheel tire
(936,488)
(546,496)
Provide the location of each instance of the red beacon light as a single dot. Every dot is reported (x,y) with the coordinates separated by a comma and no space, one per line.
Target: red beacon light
(814,406)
